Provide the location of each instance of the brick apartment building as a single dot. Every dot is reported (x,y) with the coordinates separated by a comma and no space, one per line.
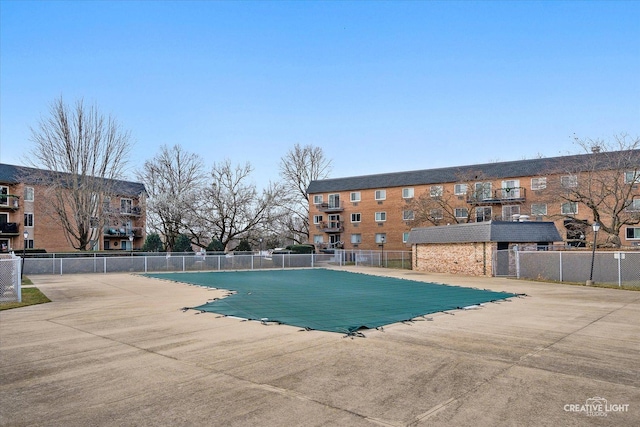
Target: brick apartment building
(364,212)
(23,208)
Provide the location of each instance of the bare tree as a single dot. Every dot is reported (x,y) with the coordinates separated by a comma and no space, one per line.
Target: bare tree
(298,167)
(232,207)
(605,181)
(439,205)
(81,153)
(174,180)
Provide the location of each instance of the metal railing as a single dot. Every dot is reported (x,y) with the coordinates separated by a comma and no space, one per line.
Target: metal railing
(9,228)
(9,201)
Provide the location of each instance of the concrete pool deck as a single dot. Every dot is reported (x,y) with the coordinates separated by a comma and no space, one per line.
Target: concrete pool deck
(117,350)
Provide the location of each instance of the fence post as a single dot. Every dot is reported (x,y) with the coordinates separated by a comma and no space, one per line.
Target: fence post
(145,263)
(620,269)
(183,264)
(105,265)
(18,283)
(560,260)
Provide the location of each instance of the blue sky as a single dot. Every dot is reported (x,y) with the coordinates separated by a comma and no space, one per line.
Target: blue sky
(380,86)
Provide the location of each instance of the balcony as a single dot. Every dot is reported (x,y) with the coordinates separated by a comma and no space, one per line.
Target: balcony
(128,210)
(122,232)
(331,226)
(131,210)
(9,229)
(330,207)
(9,201)
(499,196)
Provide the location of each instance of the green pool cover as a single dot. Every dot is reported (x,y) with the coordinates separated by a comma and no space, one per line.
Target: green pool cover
(329,300)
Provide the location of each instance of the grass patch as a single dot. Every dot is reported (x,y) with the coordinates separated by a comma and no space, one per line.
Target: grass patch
(30,296)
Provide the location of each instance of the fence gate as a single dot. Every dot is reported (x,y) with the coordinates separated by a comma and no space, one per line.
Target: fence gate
(505,263)
(10,280)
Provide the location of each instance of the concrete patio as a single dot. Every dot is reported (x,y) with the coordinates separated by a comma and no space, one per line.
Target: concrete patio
(117,350)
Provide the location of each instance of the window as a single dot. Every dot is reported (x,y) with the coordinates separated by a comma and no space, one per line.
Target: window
(461,212)
(632,177)
(509,211)
(381,194)
(405,237)
(381,216)
(483,214)
(125,206)
(633,233)
(569,181)
(436,191)
(28,220)
(355,217)
(460,189)
(407,193)
(334,200)
(482,191)
(511,189)
(317,219)
(355,196)
(4,191)
(539,183)
(569,208)
(317,199)
(29,244)
(356,239)
(28,194)
(436,214)
(317,239)
(407,215)
(334,221)
(634,205)
(538,209)
(381,238)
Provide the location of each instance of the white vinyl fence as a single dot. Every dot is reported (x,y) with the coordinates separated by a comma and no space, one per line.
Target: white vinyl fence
(10,280)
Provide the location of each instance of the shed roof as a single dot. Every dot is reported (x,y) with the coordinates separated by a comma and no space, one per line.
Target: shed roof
(489,231)
(498,170)
(12,174)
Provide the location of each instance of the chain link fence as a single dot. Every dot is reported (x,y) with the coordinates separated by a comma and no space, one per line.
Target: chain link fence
(371,258)
(143,263)
(10,280)
(615,268)
(619,268)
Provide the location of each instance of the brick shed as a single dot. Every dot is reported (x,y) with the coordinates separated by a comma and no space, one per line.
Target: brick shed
(472,249)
